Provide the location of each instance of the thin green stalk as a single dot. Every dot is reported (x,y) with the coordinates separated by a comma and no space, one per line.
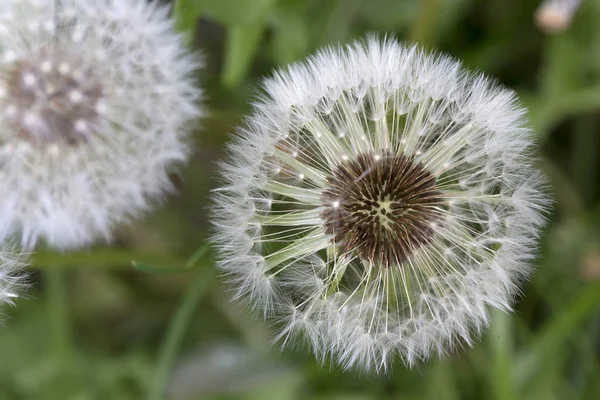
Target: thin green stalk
(176,332)
(58,310)
(422,29)
(502,357)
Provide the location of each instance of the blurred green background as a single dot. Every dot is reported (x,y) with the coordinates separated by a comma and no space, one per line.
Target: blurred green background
(92,326)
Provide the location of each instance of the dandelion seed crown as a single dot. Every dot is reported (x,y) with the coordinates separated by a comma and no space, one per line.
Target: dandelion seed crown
(379,199)
(96,101)
(11,263)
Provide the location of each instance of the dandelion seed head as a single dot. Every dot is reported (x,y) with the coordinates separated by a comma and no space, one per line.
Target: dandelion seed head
(554,16)
(12,263)
(100,101)
(422,215)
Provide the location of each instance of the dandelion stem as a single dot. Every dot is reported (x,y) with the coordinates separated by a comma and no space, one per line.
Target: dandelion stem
(58,311)
(502,359)
(176,331)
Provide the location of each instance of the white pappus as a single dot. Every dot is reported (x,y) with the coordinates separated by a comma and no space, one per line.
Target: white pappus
(378,201)
(97,100)
(12,278)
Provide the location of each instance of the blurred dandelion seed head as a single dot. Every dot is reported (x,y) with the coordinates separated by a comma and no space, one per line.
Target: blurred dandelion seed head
(555,16)
(379,200)
(97,100)
(12,262)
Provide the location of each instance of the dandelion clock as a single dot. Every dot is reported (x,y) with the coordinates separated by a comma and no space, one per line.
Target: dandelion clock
(96,101)
(11,264)
(379,200)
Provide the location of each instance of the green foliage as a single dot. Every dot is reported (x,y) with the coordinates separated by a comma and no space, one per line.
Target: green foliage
(93,327)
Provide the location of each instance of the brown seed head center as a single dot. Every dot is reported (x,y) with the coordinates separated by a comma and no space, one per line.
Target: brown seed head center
(381,207)
(51,98)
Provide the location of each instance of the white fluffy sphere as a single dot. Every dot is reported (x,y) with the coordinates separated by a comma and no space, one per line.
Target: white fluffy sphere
(379,200)
(97,99)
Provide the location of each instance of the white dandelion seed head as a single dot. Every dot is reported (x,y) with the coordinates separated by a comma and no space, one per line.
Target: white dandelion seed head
(554,16)
(403,231)
(95,110)
(12,262)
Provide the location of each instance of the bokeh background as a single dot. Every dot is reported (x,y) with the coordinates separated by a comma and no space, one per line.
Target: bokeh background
(94,326)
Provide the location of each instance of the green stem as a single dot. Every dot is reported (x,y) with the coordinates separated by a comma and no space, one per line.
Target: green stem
(422,29)
(502,350)
(176,331)
(58,310)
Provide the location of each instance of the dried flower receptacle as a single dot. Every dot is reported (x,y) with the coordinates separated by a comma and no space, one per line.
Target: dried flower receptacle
(52,98)
(381,206)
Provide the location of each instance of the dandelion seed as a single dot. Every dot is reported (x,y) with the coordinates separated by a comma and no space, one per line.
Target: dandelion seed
(11,277)
(377,254)
(100,102)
